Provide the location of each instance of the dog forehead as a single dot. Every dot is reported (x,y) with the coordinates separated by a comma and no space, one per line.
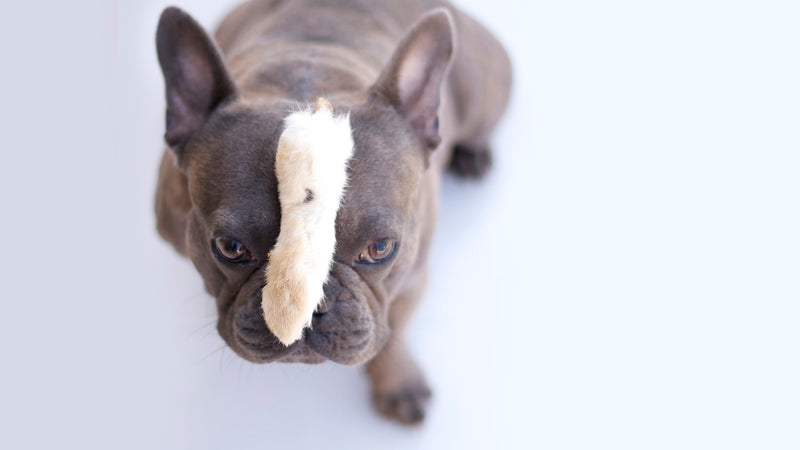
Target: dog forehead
(387,161)
(237,134)
(231,162)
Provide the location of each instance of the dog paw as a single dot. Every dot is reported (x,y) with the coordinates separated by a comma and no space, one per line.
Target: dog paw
(406,404)
(469,163)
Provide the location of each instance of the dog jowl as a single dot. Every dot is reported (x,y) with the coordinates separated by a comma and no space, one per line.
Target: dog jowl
(310,225)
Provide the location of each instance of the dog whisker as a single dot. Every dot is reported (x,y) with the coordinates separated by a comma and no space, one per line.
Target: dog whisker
(194,296)
(201,327)
(218,349)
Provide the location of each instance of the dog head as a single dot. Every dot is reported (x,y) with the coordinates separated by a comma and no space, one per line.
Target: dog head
(240,218)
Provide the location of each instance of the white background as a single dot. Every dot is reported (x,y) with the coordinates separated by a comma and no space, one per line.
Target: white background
(628,277)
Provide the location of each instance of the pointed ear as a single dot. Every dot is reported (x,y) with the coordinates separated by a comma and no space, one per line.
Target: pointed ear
(195,76)
(412,80)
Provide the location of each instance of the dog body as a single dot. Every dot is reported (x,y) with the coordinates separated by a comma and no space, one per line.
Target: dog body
(423,85)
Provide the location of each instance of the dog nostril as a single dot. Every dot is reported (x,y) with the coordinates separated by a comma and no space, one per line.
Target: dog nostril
(323,307)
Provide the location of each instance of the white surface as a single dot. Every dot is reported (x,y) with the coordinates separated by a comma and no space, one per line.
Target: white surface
(627,277)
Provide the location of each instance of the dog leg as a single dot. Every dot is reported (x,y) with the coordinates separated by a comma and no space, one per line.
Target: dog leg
(480,82)
(172,203)
(471,162)
(399,389)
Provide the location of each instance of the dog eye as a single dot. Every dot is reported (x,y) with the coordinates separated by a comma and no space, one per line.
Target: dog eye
(231,250)
(377,252)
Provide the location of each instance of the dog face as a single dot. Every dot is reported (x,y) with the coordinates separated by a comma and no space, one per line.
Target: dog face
(236,214)
(225,142)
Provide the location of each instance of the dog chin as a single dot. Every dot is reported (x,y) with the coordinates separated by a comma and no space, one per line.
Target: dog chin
(303,351)
(303,355)
(298,352)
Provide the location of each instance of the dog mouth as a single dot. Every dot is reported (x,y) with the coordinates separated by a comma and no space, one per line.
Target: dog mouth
(296,353)
(253,341)
(259,346)
(342,328)
(249,337)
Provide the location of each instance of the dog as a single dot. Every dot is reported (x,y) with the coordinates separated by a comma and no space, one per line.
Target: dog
(311,226)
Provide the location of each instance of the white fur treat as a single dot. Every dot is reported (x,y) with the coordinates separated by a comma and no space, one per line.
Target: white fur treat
(311,167)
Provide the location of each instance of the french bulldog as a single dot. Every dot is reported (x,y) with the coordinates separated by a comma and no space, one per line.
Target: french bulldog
(333,272)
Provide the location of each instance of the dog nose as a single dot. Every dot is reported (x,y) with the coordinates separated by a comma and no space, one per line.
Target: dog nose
(342,333)
(323,306)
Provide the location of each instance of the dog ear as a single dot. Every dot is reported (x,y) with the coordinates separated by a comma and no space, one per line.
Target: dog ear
(411,81)
(195,75)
